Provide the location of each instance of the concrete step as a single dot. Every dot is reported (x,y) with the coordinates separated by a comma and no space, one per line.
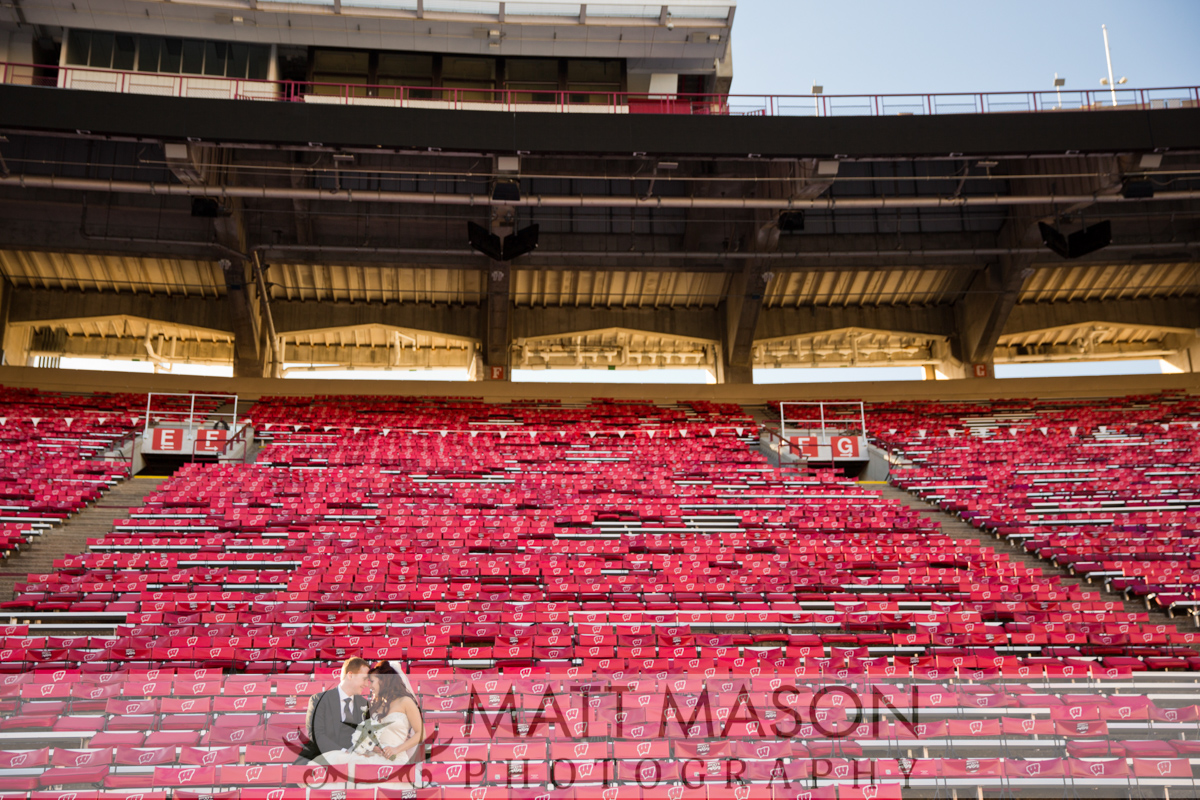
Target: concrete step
(954,526)
(71,537)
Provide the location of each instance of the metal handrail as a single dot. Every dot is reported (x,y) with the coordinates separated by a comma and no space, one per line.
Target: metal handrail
(232,440)
(574,101)
(774,434)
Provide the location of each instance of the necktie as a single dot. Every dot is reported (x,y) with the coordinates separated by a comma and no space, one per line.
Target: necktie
(347,710)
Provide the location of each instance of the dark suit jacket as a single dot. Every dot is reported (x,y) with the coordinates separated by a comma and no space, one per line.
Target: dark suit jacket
(324,726)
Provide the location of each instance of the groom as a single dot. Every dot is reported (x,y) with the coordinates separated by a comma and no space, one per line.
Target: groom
(333,715)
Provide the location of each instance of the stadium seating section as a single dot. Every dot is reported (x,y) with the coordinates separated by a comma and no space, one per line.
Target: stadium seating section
(51,456)
(1111,492)
(526,561)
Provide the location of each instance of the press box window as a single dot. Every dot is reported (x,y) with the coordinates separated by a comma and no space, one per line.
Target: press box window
(158,54)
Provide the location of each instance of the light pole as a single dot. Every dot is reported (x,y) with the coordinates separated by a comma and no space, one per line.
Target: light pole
(1058,84)
(817,89)
(1112,88)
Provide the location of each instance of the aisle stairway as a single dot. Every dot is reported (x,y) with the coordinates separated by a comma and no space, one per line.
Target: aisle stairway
(955,527)
(72,536)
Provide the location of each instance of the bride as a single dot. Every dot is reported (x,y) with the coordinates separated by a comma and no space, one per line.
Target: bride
(395,719)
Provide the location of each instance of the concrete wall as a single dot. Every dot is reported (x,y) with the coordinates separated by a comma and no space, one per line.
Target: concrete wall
(500,391)
(16,47)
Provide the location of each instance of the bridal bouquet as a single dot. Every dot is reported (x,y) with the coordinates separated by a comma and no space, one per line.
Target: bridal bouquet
(366,737)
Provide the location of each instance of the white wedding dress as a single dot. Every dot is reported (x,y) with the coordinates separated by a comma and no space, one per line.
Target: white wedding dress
(394,733)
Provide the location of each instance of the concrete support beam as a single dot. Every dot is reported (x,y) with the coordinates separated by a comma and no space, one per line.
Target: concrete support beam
(379,357)
(6,290)
(251,350)
(694,323)
(984,309)
(1187,357)
(250,359)
(134,349)
(56,305)
(743,302)
(496,334)
(774,323)
(741,310)
(301,208)
(292,316)
(982,312)
(1166,312)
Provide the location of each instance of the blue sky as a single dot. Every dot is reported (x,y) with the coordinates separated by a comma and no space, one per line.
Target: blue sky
(901,46)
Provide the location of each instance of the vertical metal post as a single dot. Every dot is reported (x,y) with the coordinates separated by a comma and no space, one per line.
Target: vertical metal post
(1112,87)
(191,417)
(782,432)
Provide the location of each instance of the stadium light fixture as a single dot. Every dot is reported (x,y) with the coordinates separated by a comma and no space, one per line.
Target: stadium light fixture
(522,242)
(1137,190)
(1080,243)
(506,191)
(484,241)
(513,246)
(1058,84)
(791,222)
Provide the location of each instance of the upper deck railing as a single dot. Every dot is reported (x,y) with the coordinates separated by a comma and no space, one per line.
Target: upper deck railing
(596,102)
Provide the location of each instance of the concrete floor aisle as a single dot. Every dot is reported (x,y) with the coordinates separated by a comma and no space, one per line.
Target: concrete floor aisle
(71,537)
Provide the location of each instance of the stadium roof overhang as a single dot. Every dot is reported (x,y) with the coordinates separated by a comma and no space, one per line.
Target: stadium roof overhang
(887,257)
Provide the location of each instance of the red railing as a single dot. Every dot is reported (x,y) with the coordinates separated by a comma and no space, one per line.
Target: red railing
(582,101)
(240,435)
